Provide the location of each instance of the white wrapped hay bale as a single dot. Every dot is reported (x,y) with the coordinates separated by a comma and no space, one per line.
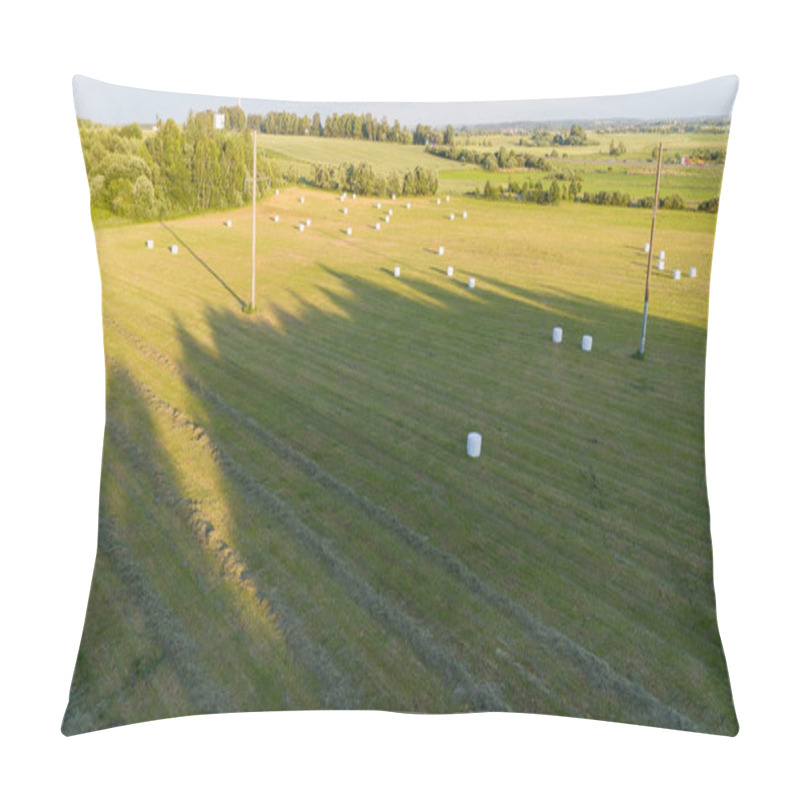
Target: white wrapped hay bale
(692,272)
(558,335)
(173,248)
(676,274)
(452,216)
(464,215)
(471,283)
(449,272)
(349,231)
(377,226)
(397,272)
(149,244)
(301,227)
(586,343)
(647,247)
(474,441)
(441,250)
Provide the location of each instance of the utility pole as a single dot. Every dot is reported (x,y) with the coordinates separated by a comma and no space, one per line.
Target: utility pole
(253,272)
(650,253)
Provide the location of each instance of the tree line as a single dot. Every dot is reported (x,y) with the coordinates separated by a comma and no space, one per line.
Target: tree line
(491,161)
(362,179)
(341,126)
(177,170)
(576,137)
(534,191)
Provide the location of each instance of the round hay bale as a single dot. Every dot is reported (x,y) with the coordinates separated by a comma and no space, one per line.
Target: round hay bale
(474,441)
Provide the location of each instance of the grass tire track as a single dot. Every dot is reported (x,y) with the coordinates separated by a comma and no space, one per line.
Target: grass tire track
(433,654)
(337,689)
(638,704)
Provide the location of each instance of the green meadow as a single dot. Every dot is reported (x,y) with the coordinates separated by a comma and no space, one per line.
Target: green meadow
(632,172)
(383,156)
(288,517)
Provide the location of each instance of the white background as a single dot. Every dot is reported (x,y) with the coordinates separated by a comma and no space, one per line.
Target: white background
(53,387)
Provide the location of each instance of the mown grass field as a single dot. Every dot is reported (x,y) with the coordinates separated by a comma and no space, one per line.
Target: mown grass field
(384,157)
(638,144)
(288,518)
(693,184)
(632,173)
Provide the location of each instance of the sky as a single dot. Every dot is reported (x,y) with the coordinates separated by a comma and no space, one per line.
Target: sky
(118,105)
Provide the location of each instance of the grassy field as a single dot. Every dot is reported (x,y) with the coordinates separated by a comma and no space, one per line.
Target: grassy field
(638,145)
(694,184)
(633,173)
(288,516)
(384,157)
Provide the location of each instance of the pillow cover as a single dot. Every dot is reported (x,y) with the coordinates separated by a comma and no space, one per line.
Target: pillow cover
(383,427)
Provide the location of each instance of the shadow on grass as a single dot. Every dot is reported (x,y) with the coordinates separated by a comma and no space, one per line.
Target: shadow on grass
(205,266)
(401,574)
(135,642)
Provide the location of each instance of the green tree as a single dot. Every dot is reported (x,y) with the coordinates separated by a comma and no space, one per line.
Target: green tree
(709,206)
(206,173)
(235,119)
(491,191)
(420,181)
(393,183)
(172,184)
(672,201)
(132,131)
(490,162)
(143,198)
(577,135)
(233,168)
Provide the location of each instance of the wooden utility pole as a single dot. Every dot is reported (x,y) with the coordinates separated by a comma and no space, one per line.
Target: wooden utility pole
(253,272)
(650,252)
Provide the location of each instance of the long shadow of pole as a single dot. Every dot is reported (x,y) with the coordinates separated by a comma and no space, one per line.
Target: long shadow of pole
(191,252)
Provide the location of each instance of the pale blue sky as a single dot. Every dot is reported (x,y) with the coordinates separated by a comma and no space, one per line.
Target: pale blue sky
(114,105)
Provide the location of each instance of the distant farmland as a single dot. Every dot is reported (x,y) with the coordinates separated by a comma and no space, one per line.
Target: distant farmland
(383,156)
(288,518)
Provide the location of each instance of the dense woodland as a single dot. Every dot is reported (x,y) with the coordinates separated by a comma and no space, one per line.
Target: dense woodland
(177,170)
